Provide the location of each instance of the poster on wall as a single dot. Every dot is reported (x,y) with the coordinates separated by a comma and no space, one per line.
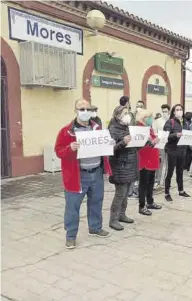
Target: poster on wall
(28,27)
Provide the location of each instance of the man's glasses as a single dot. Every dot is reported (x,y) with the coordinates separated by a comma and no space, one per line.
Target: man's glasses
(84,109)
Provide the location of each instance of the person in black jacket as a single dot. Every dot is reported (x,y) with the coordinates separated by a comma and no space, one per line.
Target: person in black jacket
(94,116)
(188,158)
(124,166)
(175,153)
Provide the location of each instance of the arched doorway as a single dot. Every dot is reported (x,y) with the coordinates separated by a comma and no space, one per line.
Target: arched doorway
(5,145)
(105,99)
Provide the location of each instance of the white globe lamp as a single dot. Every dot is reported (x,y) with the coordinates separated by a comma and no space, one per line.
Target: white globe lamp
(96,19)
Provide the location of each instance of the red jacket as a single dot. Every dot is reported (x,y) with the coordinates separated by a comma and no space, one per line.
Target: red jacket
(148,156)
(69,162)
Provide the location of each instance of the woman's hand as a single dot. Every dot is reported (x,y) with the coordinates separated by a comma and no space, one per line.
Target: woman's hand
(179,134)
(127,139)
(155,141)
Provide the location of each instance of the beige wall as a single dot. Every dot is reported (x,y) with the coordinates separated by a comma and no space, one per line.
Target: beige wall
(188,104)
(45,111)
(154,102)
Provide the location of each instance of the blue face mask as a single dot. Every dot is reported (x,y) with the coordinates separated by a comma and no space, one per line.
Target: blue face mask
(149,121)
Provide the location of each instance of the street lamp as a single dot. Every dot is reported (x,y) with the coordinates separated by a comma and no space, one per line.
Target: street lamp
(95,20)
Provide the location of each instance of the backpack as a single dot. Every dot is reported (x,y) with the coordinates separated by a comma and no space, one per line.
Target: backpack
(172,123)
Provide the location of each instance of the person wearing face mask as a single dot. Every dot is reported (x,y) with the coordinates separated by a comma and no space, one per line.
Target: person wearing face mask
(123,165)
(94,116)
(81,177)
(158,125)
(148,157)
(175,153)
(139,106)
(188,157)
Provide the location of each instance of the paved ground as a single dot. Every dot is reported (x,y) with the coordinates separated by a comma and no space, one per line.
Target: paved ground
(148,261)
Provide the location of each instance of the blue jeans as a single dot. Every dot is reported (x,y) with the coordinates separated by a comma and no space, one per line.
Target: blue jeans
(92,185)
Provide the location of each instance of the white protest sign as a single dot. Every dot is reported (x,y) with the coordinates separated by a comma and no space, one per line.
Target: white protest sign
(139,136)
(186,138)
(163,136)
(94,143)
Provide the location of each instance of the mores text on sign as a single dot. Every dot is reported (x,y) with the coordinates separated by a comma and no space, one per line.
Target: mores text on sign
(28,27)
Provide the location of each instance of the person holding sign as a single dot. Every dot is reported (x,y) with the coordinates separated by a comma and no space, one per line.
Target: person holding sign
(81,177)
(175,153)
(123,165)
(148,164)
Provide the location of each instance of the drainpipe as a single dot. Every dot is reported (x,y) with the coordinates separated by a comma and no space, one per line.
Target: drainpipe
(184,76)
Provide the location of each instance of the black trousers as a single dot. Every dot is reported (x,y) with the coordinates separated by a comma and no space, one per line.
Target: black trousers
(174,160)
(146,185)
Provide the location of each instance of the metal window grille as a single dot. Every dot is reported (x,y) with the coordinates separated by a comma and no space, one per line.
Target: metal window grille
(44,65)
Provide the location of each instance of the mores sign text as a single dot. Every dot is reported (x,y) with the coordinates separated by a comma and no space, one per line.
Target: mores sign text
(28,27)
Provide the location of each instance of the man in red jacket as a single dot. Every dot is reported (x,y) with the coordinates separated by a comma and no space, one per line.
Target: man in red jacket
(81,177)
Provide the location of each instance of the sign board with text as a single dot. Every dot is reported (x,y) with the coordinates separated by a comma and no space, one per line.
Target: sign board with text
(139,136)
(186,139)
(107,82)
(156,89)
(94,144)
(28,27)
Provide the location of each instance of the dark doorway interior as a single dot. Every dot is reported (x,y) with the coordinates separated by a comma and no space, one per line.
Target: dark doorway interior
(5,151)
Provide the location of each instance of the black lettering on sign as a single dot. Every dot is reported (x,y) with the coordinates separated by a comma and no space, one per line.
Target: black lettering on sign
(106,139)
(88,141)
(44,33)
(32,29)
(100,140)
(59,37)
(81,142)
(94,141)
(68,39)
(51,34)
(139,137)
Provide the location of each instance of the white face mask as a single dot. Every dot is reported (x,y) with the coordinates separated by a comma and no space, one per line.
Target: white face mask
(84,115)
(139,109)
(166,115)
(94,114)
(179,114)
(126,119)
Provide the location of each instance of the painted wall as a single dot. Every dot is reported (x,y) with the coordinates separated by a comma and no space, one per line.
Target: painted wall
(188,104)
(45,111)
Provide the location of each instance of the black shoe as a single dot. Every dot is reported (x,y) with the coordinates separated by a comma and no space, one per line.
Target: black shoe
(168,198)
(145,211)
(126,219)
(186,195)
(116,226)
(154,206)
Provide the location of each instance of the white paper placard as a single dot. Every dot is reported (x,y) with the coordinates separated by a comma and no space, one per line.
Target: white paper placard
(163,136)
(94,143)
(186,139)
(139,135)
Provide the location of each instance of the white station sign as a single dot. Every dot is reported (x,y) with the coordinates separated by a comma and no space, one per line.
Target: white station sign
(28,27)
